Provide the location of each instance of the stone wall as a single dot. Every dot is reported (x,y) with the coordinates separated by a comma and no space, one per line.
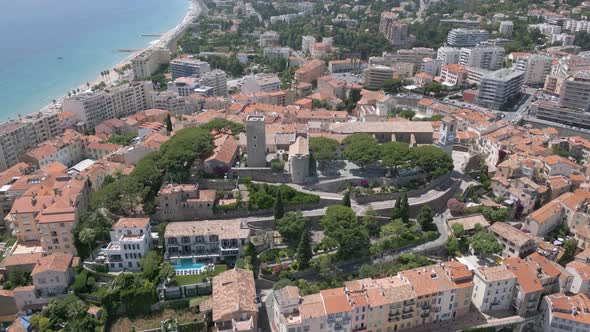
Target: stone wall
(259,174)
(412,193)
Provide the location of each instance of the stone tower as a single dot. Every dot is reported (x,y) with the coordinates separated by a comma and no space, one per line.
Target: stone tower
(447,133)
(256,141)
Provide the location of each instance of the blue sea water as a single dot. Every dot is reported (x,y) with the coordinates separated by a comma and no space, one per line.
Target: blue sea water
(84,33)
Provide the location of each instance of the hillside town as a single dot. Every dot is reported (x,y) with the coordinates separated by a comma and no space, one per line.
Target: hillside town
(313,166)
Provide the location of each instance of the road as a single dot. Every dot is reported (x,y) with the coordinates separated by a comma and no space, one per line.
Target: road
(421,10)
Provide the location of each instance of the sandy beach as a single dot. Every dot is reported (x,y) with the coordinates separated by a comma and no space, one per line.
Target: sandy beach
(196,7)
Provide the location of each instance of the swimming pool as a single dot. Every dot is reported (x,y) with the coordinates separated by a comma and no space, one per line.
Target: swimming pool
(187,264)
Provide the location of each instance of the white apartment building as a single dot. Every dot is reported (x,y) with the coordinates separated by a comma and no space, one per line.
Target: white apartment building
(581,273)
(148,62)
(205,241)
(345,66)
(188,67)
(130,241)
(576,26)
(566,313)
(499,87)
(93,108)
(492,288)
(546,29)
(576,91)
(466,37)
(171,101)
(217,79)
(375,75)
(506,28)
(448,55)
(268,39)
(413,56)
(536,67)
(260,83)
(184,86)
(46,124)
(276,53)
(430,66)
(306,43)
(486,57)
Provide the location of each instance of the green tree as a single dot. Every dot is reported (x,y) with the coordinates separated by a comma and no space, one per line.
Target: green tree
(341,224)
(304,252)
(458,230)
(404,209)
(323,150)
(484,243)
(362,149)
(395,155)
(292,225)
(150,264)
(168,123)
(407,114)
(88,236)
(370,222)
(570,249)
(433,87)
(279,208)
(452,245)
(166,271)
(432,160)
(346,199)
(396,212)
(426,218)
(392,85)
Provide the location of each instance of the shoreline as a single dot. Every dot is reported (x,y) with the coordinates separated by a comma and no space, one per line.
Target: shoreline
(196,8)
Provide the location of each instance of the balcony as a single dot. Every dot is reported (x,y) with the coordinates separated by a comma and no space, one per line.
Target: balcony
(408,309)
(393,319)
(406,316)
(360,328)
(394,313)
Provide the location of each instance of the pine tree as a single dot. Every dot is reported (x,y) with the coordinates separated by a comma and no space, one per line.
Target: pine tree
(312,166)
(168,123)
(396,213)
(279,208)
(346,199)
(404,210)
(304,252)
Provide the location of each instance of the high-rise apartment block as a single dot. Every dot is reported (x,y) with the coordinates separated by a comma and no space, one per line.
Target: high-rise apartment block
(448,55)
(187,67)
(394,31)
(486,57)
(217,79)
(499,87)
(148,62)
(93,108)
(576,92)
(466,37)
(374,76)
(536,67)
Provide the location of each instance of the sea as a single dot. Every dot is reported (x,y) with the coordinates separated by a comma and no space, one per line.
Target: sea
(49,47)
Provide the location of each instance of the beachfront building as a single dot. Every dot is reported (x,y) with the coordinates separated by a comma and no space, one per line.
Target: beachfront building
(188,67)
(149,62)
(208,241)
(130,241)
(92,108)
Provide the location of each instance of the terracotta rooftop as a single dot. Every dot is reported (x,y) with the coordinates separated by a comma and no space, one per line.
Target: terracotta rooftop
(225,229)
(58,262)
(132,223)
(233,292)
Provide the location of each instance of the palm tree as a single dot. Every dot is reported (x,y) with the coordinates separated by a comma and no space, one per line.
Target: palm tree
(87,236)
